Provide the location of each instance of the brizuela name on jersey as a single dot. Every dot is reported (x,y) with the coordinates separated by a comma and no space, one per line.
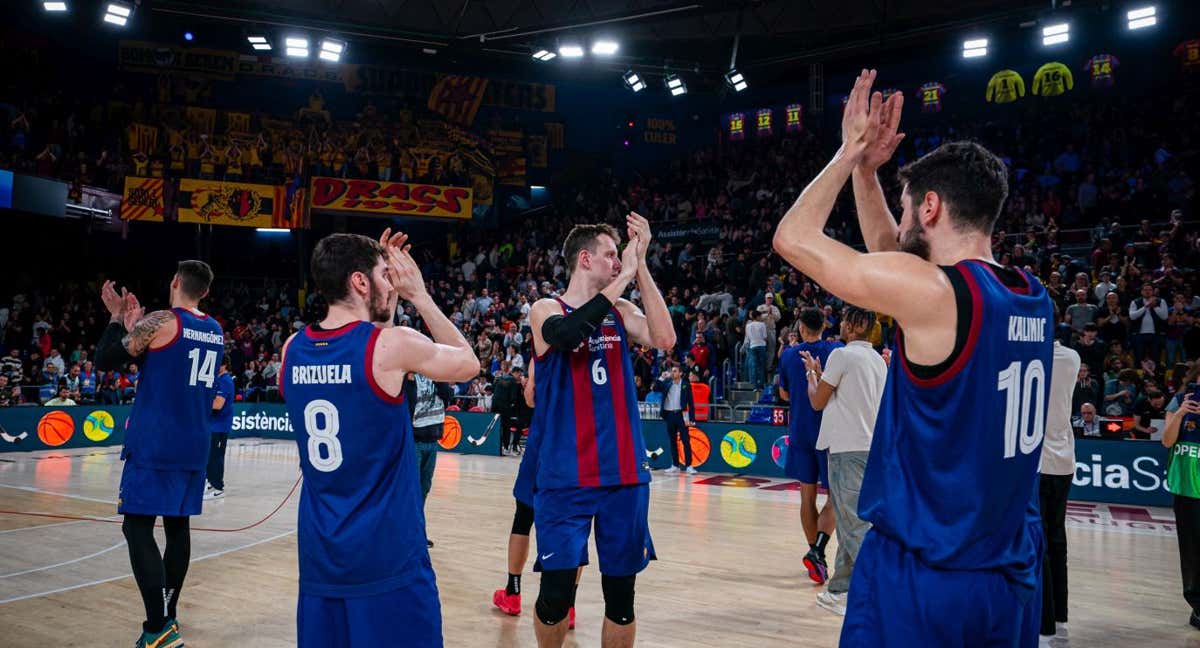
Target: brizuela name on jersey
(1026,329)
(336,374)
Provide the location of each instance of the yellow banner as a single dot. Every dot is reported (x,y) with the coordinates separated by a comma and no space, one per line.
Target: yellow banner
(142,200)
(143,138)
(204,120)
(391,198)
(458,98)
(159,57)
(232,203)
(237,122)
(555,137)
(537,151)
(286,70)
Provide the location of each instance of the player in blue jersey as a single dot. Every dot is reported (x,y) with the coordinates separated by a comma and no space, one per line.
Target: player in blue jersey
(592,463)
(954,554)
(365,575)
(509,598)
(221,424)
(167,434)
(804,462)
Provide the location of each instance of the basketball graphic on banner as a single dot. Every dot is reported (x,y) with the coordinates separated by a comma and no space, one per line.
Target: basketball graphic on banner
(451,433)
(779,450)
(738,449)
(700,446)
(56,428)
(98,426)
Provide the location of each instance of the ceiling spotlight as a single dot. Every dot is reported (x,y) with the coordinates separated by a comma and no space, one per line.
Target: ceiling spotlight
(1055,34)
(570,51)
(117,13)
(331,50)
(428,50)
(675,85)
(1144,17)
(975,48)
(605,47)
(296,47)
(48,5)
(544,55)
(259,43)
(634,82)
(188,36)
(736,80)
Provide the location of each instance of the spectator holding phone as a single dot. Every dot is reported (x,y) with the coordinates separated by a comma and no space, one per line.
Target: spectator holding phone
(1182,437)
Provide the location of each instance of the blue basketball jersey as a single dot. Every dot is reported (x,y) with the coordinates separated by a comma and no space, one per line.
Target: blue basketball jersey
(221,422)
(361,527)
(953,464)
(589,426)
(804,422)
(168,427)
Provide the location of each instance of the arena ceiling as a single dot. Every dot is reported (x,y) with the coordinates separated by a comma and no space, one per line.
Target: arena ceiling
(688,34)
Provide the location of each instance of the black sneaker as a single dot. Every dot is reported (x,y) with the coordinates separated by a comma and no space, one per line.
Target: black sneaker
(1195,620)
(818,570)
(429,543)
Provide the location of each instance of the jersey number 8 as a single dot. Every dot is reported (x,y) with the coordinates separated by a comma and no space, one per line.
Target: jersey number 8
(1020,390)
(321,424)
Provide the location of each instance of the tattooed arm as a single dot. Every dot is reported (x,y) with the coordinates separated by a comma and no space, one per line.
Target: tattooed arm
(154,330)
(130,332)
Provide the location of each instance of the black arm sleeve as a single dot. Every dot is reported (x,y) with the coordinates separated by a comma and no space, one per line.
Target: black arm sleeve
(565,332)
(110,352)
(444,392)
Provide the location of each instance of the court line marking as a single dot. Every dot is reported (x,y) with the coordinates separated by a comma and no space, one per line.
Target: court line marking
(55,524)
(33,489)
(65,563)
(115,578)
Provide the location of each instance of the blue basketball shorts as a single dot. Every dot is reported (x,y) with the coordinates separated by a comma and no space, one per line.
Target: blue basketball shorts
(897,601)
(408,616)
(149,491)
(805,463)
(523,488)
(563,519)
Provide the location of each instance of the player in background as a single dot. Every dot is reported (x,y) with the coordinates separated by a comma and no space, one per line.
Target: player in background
(167,434)
(804,462)
(365,574)
(508,599)
(592,463)
(221,424)
(950,482)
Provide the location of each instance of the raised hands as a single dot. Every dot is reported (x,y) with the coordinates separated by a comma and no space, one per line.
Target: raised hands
(403,271)
(869,124)
(639,231)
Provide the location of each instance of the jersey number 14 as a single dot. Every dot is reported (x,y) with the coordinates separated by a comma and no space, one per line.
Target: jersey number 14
(1025,399)
(203,371)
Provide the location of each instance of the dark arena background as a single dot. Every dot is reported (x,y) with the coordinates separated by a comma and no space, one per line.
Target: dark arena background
(139,133)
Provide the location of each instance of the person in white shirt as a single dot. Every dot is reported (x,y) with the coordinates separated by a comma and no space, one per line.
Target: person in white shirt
(1148,319)
(756,349)
(848,392)
(1057,470)
(1104,287)
(1087,423)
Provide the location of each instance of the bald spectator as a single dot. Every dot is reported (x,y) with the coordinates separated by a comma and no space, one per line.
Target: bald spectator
(1087,424)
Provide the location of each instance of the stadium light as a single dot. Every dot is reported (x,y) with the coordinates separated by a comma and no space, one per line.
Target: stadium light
(544,55)
(259,43)
(571,50)
(117,13)
(634,82)
(675,85)
(975,48)
(736,80)
(331,50)
(1055,34)
(272,230)
(605,47)
(297,47)
(189,36)
(1144,17)
(48,5)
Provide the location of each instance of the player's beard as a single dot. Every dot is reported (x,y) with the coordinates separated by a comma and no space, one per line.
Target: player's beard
(377,306)
(914,242)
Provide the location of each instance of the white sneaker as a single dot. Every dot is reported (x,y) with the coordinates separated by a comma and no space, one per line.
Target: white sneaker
(212,494)
(1060,630)
(691,470)
(503,452)
(835,603)
(672,469)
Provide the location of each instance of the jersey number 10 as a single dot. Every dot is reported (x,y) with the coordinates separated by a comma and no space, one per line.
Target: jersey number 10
(1022,390)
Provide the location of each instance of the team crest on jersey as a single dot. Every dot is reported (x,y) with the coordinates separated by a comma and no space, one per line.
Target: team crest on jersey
(609,320)
(1190,426)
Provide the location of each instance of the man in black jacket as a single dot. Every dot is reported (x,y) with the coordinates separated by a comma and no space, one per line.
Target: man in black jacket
(507,402)
(678,412)
(427,404)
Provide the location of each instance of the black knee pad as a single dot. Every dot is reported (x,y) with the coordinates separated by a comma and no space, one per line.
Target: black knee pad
(522,519)
(556,595)
(618,598)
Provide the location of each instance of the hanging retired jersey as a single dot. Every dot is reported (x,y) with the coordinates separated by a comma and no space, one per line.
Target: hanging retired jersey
(953,465)
(360,525)
(1005,87)
(586,420)
(168,427)
(931,96)
(1188,53)
(1101,68)
(1052,79)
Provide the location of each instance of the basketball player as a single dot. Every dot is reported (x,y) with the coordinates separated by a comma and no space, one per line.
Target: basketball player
(509,598)
(804,462)
(365,573)
(950,482)
(167,435)
(591,455)
(221,424)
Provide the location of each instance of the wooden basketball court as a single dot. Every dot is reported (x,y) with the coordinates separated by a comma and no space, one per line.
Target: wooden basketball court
(729,572)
